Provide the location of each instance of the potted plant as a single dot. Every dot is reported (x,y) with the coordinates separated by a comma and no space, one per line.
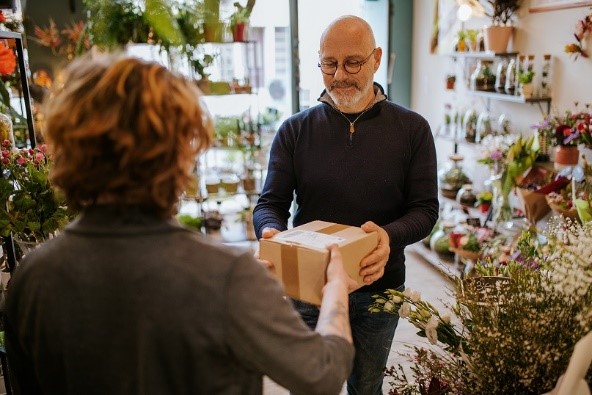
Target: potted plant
(525,79)
(213,27)
(461,43)
(240,19)
(473,39)
(501,12)
(450,81)
(484,201)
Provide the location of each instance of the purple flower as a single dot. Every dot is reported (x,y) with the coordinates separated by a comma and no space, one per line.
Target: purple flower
(496,155)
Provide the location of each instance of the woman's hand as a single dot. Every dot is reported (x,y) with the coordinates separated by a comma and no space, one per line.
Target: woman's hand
(267,233)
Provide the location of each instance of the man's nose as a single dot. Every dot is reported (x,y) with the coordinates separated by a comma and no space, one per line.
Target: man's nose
(340,73)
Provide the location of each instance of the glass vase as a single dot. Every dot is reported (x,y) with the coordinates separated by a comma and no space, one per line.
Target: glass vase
(501,210)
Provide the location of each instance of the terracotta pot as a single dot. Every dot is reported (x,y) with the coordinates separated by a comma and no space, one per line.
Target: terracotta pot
(566,156)
(496,38)
(213,31)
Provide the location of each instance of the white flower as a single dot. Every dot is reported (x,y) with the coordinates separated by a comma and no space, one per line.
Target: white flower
(407,292)
(445,318)
(405,310)
(396,299)
(432,322)
(415,296)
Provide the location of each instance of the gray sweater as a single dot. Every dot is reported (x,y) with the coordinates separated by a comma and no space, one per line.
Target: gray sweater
(125,303)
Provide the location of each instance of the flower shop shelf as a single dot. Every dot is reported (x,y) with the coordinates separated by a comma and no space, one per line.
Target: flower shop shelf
(513,98)
(483,54)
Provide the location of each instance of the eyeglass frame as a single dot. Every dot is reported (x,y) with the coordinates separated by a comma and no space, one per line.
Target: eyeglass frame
(359,64)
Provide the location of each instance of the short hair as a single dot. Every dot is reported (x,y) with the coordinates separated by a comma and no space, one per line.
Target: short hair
(124,131)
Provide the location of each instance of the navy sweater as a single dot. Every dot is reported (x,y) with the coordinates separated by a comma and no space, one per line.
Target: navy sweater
(384,172)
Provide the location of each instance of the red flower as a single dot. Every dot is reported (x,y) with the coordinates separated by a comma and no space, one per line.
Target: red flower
(7,60)
(2,17)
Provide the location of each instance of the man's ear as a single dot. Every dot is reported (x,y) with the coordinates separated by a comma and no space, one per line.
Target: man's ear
(377,58)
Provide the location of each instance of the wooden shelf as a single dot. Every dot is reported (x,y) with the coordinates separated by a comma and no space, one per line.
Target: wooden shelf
(510,98)
(483,54)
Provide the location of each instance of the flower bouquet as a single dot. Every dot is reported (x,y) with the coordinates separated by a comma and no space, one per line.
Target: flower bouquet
(34,210)
(561,203)
(495,337)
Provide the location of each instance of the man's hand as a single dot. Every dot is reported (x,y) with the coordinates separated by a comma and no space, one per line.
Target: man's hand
(372,266)
(267,233)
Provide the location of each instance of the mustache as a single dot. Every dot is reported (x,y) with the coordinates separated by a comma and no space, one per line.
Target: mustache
(343,84)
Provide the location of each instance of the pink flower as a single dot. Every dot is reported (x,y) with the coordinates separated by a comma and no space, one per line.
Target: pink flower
(21,161)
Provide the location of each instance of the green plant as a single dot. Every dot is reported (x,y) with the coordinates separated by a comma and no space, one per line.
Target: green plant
(526,77)
(114,23)
(494,339)
(501,12)
(34,209)
(241,13)
(190,221)
(484,197)
(472,34)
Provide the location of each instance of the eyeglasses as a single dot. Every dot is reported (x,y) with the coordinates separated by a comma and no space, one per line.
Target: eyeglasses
(351,66)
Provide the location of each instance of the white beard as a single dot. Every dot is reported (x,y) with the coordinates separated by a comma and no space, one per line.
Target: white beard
(346,99)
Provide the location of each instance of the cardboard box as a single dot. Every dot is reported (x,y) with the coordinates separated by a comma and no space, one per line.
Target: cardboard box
(300,255)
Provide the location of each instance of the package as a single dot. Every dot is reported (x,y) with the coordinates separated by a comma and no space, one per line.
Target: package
(300,256)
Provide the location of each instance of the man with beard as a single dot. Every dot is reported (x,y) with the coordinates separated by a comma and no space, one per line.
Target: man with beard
(360,160)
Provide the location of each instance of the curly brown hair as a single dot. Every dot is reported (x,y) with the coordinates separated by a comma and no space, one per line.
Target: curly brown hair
(124,131)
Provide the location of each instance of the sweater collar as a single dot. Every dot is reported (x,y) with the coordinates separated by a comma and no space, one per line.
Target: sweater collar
(378,90)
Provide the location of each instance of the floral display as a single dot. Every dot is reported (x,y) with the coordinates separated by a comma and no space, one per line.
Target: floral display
(34,210)
(569,128)
(75,40)
(582,30)
(508,156)
(494,338)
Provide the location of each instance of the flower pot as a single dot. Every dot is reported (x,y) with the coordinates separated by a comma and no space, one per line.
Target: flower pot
(239,32)
(526,90)
(496,38)
(566,155)
(484,207)
(213,31)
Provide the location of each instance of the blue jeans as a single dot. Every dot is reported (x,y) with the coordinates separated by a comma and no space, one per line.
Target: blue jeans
(372,333)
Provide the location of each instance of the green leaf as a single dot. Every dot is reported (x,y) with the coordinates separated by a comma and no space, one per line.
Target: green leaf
(159,16)
(4,94)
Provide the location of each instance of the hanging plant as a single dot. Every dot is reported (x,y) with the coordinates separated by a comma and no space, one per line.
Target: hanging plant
(583,29)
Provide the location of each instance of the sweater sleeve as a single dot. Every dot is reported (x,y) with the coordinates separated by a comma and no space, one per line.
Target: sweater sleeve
(273,207)
(421,188)
(267,333)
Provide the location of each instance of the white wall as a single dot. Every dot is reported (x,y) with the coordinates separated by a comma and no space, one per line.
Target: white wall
(535,33)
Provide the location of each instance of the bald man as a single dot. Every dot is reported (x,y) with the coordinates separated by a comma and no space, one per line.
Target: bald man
(356,159)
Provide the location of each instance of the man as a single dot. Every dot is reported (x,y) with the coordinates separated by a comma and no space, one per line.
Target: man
(125,300)
(355,159)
